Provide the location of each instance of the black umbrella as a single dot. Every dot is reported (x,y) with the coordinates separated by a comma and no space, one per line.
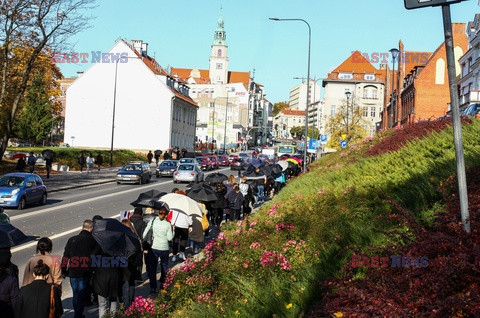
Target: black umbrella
(276,168)
(216,177)
(144,198)
(202,192)
(10,236)
(252,174)
(267,170)
(256,163)
(114,238)
(48,154)
(157,152)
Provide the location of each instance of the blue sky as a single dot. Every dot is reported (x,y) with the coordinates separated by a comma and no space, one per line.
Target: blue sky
(180,33)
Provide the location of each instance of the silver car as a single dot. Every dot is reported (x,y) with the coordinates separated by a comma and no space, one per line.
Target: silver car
(188,172)
(188,160)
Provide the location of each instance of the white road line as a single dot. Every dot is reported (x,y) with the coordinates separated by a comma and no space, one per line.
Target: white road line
(64,206)
(34,243)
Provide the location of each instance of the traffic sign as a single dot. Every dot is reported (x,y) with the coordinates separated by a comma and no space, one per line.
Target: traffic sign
(343,144)
(323,139)
(415,4)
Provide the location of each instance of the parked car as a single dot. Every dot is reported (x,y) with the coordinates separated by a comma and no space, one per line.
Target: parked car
(223,160)
(134,172)
(232,156)
(204,163)
(472,110)
(189,173)
(215,161)
(166,168)
(238,164)
(19,189)
(244,155)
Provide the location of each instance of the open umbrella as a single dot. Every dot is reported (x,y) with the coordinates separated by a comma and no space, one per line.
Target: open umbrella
(299,160)
(267,170)
(10,236)
(144,198)
(182,203)
(48,154)
(256,163)
(114,238)
(216,177)
(292,161)
(276,168)
(157,152)
(19,155)
(283,164)
(202,192)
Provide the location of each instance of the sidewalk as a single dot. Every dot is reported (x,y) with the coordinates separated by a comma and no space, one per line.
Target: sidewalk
(76,179)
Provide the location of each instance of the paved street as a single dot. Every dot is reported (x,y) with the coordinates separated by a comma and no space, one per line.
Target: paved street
(74,197)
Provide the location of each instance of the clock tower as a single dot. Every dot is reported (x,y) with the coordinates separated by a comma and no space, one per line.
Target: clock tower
(219,58)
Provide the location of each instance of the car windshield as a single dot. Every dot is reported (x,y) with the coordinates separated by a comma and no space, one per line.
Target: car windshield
(168,164)
(186,167)
(9,181)
(186,160)
(132,167)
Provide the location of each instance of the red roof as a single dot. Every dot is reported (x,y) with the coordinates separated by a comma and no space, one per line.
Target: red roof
(292,112)
(233,77)
(356,63)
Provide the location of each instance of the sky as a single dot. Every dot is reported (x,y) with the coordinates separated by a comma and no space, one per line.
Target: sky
(180,33)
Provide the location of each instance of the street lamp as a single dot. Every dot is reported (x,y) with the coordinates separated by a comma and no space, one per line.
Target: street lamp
(347,94)
(225,130)
(394,53)
(308,86)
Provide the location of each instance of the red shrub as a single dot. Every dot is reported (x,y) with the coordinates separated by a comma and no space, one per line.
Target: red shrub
(447,287)
(401,136)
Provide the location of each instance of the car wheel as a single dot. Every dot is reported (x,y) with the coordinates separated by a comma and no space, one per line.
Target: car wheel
(22,203)
(43,199)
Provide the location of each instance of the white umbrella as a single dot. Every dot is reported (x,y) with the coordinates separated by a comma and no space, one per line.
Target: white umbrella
(283,164)
(182,203)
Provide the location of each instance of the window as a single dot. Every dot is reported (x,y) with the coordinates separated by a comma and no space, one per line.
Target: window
(332,110)
(219,52)
(365,111)
(345,75)
(369,77)
(373,111)
(370,92)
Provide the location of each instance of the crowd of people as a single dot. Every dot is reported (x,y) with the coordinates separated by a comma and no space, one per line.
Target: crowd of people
(163,236)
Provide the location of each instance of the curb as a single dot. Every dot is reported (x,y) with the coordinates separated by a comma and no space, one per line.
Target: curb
(80,186)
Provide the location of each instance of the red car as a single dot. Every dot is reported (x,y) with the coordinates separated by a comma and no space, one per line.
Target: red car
(232,157)
(215,162)
(205,163)
(223,161)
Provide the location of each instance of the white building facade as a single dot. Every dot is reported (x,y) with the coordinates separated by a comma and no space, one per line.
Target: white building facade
(147,108)
(285,120)
(298,95)
(470,67)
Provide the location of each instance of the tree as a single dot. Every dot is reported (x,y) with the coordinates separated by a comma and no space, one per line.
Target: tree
(277,107)
(28,29)
(299,131)
(337,125)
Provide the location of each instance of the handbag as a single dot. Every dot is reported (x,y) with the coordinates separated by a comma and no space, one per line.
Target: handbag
(51,313)
(149,236)
(205,223)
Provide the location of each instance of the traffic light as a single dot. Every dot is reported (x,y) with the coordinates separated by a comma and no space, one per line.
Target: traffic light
(415,4)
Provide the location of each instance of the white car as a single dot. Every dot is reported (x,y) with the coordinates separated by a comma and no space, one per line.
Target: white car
(188,172)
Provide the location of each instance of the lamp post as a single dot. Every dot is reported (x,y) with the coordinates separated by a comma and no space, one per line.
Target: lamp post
(347,94)
(308,86)
(394,53)
(225,130)
(213,122)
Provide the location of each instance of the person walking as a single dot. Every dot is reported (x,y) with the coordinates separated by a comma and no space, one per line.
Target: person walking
(150,157)
(219,205)
(31,162)
(197,234)
(131,272)
(81,161)
(158,153)
(137,220)
(35,299)
(162,233)
(48,166)
(44,248)
(76,264)
(247,193)
(235,202)
(90,161)
(99,161)
(20,166)
(8,287)
(148,256)
(182,225)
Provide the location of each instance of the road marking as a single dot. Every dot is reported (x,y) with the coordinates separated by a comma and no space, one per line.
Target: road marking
(34,243)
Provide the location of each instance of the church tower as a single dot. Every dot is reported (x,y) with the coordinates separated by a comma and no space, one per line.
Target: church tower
(219,57)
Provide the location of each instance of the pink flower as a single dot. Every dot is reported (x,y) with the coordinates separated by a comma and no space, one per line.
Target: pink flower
(255,245)
(253,223)
(221,236)
(321,191)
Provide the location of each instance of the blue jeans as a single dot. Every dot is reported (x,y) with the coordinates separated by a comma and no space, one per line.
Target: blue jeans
(79,288)
(260,189)
(163,255)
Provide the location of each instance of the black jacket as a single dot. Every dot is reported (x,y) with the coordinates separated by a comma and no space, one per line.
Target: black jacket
(221,202)
(79,248)
(8,293)
(107,281)
(235,200)
(34,300)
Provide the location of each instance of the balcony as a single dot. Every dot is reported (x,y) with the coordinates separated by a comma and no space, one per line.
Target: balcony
(471,97)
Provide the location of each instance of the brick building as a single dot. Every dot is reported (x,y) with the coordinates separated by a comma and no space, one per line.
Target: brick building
(422,91)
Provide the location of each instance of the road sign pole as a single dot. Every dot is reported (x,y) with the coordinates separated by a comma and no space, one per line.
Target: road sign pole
(457,125)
